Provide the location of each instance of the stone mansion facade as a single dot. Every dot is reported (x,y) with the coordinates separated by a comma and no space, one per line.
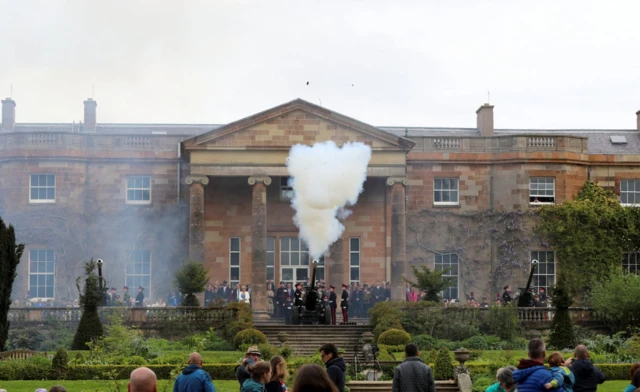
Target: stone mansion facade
(146,197)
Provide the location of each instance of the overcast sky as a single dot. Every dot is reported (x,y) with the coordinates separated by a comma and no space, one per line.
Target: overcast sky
(547,64)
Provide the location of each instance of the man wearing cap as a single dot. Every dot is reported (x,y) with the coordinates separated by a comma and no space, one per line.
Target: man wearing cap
(250,358)
(344,303)
(140,297)
(333,304)
(126,296)
(281,298)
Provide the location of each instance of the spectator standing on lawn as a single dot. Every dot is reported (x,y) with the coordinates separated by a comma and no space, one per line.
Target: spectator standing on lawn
(251,357)
(532,375)
(413,375)
(635,378)
(335,365)
(587,376)
(194,378)
(141,379)
(260,375)
(279,375)
(313,378)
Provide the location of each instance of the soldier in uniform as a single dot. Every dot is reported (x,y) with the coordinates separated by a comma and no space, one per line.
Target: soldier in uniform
(287,310)
(344,304)
(126,296)
(281,298)
(484,303)
(140,297)
(333,304)
(298,302)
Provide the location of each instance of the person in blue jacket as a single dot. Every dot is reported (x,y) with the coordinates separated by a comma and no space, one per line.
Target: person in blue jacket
(194,378)
(532,375)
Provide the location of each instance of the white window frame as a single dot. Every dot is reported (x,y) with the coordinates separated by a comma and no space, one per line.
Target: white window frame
(625,186)
(133,287)
(444,263)
(31,187)
(45,273)
(353,265)
(143,177)
(303,259)
(271,257)
(450,191)
(631,262)
(541,192)
(286,192)
(542,269)
(234,282)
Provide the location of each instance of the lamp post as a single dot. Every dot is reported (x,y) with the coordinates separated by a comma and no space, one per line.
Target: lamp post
(100,262)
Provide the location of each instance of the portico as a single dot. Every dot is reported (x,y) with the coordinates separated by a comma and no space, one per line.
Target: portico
(240,222)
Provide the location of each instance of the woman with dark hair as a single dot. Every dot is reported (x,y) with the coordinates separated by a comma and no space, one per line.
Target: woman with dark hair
(260,375)
(313,378)
(278,375)
(635,378)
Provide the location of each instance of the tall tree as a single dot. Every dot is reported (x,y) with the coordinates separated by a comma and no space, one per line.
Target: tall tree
(432,282)
(90,327)
(10,254)
(589,235)
(190,279)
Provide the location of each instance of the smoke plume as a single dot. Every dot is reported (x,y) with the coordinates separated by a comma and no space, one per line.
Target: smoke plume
(325,178)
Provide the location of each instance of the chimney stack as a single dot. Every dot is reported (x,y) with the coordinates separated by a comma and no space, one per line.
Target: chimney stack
(485,120)
(638,119)
(90,115)
(8,114)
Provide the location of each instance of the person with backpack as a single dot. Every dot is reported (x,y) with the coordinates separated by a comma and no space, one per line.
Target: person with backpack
(563,378)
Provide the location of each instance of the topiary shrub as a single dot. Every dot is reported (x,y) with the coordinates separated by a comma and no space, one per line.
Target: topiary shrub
(394,337)
(90,326)
(384,316)
(249,336)
(562,334)
(443,367)
(60,364)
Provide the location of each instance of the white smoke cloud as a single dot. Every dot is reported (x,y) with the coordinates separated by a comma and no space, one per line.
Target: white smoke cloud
(325,178)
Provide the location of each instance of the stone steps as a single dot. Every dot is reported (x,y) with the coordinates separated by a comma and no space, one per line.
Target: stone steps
(305,340)
(385,386)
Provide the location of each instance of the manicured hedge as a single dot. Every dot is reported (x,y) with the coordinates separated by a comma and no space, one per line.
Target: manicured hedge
(90,372)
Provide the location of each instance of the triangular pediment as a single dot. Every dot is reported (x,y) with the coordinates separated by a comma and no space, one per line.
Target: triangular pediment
(295,122)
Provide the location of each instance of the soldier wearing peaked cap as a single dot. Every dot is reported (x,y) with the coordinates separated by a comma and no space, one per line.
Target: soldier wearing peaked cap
(333,304)
(344,304)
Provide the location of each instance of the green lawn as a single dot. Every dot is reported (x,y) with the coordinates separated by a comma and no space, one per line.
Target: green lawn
(102,386)
(163,386)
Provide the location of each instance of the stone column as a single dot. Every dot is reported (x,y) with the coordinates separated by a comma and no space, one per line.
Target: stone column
(259,244)
(398,237)
(196,216)
(335,274)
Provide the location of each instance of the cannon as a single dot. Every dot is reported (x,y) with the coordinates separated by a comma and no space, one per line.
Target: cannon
(314,311)
(525,297)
